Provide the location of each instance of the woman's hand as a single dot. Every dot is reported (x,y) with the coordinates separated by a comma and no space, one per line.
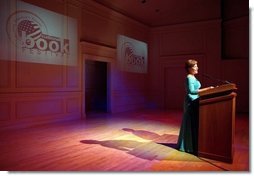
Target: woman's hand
(205,89)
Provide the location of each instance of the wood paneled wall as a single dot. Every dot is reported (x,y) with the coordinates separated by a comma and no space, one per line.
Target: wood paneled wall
(126,91)
(100,27)
(171,46)
(38,92)
(33,93)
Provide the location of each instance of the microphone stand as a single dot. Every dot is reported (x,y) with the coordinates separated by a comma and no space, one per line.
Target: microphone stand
(215,79)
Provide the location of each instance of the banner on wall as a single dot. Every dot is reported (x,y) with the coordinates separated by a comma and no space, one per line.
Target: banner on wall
(33,34)
(131,55)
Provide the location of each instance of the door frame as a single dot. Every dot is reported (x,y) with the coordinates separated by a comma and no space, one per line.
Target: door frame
(109,66)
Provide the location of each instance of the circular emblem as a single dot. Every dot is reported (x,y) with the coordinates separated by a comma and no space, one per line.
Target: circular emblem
(24,26)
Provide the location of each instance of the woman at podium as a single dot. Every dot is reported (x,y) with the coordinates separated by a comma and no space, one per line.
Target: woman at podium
(188,136)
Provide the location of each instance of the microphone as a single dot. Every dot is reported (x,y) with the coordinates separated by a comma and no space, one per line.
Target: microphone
(215,79)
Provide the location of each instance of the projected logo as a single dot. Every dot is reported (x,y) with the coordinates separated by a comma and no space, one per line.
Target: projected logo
(131,59)
(132,55)
(29,33)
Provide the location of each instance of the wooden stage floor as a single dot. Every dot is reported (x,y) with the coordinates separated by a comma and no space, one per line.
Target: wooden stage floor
(125,142)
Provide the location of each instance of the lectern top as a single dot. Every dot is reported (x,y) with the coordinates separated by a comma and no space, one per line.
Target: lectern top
(226,88)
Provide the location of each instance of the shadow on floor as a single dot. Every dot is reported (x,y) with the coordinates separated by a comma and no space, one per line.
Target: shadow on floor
(157,147)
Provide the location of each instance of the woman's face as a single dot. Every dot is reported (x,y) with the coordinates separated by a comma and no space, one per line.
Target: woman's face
(194,70)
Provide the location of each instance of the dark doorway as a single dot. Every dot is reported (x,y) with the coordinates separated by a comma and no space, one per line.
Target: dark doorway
(95,86)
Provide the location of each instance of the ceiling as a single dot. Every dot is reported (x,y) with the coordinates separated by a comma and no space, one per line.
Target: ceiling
(165,12)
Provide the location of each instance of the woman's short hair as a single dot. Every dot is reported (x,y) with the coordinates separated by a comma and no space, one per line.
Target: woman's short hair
(189,64)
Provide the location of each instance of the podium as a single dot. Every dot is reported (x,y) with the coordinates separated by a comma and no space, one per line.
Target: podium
(217,123)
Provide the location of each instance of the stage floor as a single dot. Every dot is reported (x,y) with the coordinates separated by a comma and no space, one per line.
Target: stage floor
(132,141)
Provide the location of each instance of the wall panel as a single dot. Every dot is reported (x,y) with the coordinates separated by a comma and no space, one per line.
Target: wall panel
(18,109)
(5,110)
(31,75)
(39,107)
(236,38)
(176,44)
(102,25)
(241,78)
(73,77)
(5,77)
(126,91)
(73,105)
(181,42)
(33,93)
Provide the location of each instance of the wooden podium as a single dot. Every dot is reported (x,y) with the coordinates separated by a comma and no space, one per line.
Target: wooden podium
(217,122)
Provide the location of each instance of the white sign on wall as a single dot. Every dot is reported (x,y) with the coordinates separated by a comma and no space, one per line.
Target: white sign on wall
(131,55)
(33,34)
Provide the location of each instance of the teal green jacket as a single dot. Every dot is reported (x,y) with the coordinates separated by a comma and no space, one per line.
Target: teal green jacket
(192,86)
